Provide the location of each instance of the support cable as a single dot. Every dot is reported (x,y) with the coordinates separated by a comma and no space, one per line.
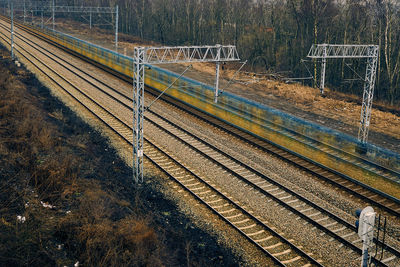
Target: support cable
(231,80)
(358,75)
(158,97)
(311,77)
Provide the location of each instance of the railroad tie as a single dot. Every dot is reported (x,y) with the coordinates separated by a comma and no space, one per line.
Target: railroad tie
(220,206)
(188,180)
(292,201)
(242,221)
(197,188)
(227,211)
(314,214)
(285,197)
(237,168)
(256,233)
(214,201)
(339,229)
(330,224)
(349,234)
(302,211)
(273,189)
(291,260)
(205,192)
(279,193)
(174,170)
(273,246)
(234,216)
(247,227)
(282,253)
(261,182)
(264,238)
(388,259)
(192,184)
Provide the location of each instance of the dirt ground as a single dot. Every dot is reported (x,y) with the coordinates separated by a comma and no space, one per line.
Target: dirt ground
(334,110)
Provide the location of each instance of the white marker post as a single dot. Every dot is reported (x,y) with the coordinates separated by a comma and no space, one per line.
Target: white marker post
(366,232)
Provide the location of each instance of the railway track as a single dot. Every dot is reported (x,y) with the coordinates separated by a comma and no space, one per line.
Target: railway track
(374,197)
(282,251)
(250,227)
(371,195)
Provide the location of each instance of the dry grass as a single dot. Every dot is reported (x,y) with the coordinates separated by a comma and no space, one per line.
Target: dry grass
(105,241)
(309,99)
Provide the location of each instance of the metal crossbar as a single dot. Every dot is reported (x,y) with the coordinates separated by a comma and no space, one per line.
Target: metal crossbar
(184,54)
(47,7)
(341,51)
(85,9)
(371,53)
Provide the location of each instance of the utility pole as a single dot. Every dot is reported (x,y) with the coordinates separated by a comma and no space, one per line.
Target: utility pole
(53,9)
(12,30)
(24,12)
(368,94)
(116,27)
(90,19)
(323,68)
(217,65)
(138,109)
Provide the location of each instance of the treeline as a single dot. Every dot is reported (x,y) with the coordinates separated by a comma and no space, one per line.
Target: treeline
(276,35)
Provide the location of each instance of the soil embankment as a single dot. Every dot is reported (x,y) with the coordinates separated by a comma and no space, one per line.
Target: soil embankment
(66,197)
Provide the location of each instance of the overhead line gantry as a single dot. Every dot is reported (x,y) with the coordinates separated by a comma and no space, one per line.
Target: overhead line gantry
(369,52)
(167,55)
(44,7)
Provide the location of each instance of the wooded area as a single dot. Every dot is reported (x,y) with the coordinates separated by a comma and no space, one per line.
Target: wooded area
(276,35)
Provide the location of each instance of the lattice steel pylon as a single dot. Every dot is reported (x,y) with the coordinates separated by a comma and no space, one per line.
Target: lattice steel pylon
(165,55)
(371,53)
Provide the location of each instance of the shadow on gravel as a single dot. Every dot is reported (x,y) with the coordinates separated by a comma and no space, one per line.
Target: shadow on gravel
(65,195)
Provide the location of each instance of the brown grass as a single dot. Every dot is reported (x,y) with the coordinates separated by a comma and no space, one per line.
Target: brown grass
(128,241)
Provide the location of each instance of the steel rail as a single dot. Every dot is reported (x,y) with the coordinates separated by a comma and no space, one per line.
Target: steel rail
(270,180)
(299,250)
(268,194)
